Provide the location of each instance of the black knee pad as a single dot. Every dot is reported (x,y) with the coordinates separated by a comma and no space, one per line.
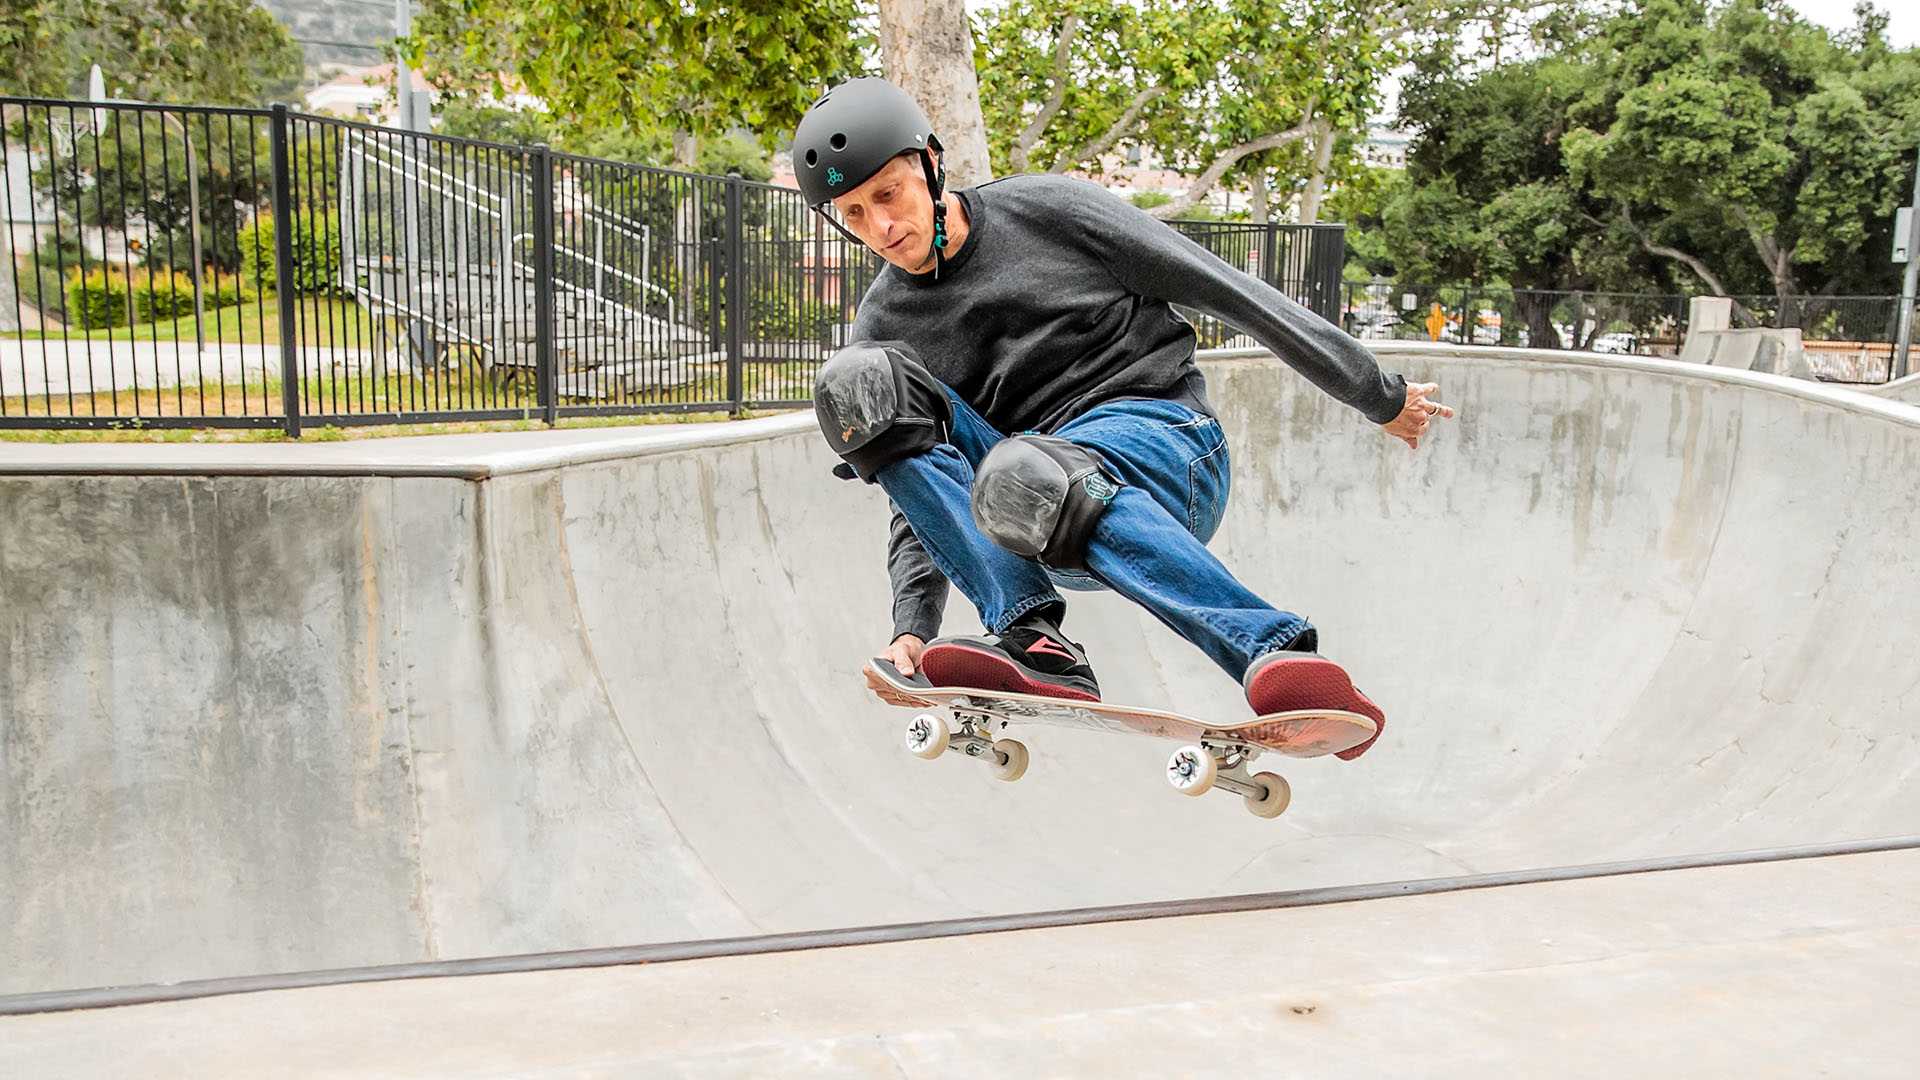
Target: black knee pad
(877,404)
(1040,496)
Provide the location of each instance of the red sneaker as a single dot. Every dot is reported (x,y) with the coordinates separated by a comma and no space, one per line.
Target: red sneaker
(1289,681)
(1032,657)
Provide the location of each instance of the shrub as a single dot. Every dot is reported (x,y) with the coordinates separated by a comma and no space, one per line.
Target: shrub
(170,296)
(98,300)
(316,254)
(780,316)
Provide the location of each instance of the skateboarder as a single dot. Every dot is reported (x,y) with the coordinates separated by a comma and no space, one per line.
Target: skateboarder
(1023,391)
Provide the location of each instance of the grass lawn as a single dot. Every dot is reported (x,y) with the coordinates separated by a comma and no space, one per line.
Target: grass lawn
(324,322)
(358,393)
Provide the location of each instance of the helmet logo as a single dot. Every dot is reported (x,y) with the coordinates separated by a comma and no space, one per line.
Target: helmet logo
(834,176)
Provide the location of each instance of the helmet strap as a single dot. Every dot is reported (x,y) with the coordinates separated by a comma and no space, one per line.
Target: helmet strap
(936,186)
(835,222)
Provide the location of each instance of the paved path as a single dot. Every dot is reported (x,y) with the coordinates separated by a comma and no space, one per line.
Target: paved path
(1784,969)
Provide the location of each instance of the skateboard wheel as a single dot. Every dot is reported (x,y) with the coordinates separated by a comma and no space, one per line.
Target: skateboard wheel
(1009,759)
(1278,794)
(1191,770)
(927,736)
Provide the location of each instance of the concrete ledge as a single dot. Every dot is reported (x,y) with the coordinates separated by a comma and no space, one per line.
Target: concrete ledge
(479,456)
(459,457)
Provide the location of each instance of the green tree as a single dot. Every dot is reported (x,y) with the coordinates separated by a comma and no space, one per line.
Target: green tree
(479,118)
(1358,199)
(1272,95)
(214,52)
(1488,197)
(1216,88)
(690,70)
(1755,150)
(131,175)
(31,56)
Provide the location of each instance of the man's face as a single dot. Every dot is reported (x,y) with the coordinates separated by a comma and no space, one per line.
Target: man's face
(892,213)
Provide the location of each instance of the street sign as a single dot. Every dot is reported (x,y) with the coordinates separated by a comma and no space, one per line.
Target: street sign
(1902,232)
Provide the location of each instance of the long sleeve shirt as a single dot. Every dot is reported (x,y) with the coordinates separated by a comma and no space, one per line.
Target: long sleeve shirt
(1061,299)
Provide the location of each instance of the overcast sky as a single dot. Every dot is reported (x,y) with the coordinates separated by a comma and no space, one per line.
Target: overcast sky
(1903,29)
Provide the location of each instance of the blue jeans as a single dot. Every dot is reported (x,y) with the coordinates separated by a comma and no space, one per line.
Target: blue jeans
(1149,546)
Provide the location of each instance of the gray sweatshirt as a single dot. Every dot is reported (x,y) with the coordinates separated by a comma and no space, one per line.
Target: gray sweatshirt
(1061,299)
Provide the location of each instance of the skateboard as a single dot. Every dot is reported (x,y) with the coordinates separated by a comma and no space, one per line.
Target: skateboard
(1215,757)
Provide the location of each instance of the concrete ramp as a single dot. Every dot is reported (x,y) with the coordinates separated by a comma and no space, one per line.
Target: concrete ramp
(1906,390)
(465,695)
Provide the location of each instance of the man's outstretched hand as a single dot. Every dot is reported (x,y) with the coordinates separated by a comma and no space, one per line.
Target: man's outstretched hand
(905,653)
(1411,425)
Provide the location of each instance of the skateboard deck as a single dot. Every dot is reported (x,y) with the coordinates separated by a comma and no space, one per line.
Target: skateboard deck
(1301,734)
(1215,757)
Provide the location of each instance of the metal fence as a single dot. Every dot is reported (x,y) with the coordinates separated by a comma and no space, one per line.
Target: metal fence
(1303,261)
(189,267)
(1847,338)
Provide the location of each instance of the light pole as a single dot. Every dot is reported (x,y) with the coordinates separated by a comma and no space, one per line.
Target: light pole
(1901,352)
(402,74)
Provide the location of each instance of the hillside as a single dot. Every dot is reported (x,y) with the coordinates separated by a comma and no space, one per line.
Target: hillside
(366,24)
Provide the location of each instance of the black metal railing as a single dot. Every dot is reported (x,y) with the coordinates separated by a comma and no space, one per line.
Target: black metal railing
(1303,261)
(133,265)
(188,266)
(1532,318)
(1847,338)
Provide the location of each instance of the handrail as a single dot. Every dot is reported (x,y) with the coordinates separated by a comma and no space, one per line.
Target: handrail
(368,296)
(418,167)
(562,249)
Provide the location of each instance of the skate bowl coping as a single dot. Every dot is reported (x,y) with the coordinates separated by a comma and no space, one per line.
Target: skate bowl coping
(1904,390)
(352,705)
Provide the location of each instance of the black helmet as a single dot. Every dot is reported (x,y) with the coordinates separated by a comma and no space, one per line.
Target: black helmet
(851,132)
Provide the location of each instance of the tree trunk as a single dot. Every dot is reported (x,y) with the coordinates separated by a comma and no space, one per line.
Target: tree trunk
(1786,292)
(1779,263)
(1062,70)
(1260,212)
(1700,269)
(1323,139)
(1536,311)
(686,150)
(1102,143)
(1226,160)
(927,48)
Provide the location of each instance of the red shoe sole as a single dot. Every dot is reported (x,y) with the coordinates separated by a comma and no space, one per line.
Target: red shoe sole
(1313,682)
(957,664)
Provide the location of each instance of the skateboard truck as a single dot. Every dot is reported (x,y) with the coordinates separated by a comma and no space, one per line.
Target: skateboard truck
(1196,770)
(929,736)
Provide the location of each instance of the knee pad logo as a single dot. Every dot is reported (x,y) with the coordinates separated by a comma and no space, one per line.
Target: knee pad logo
(1098,487)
